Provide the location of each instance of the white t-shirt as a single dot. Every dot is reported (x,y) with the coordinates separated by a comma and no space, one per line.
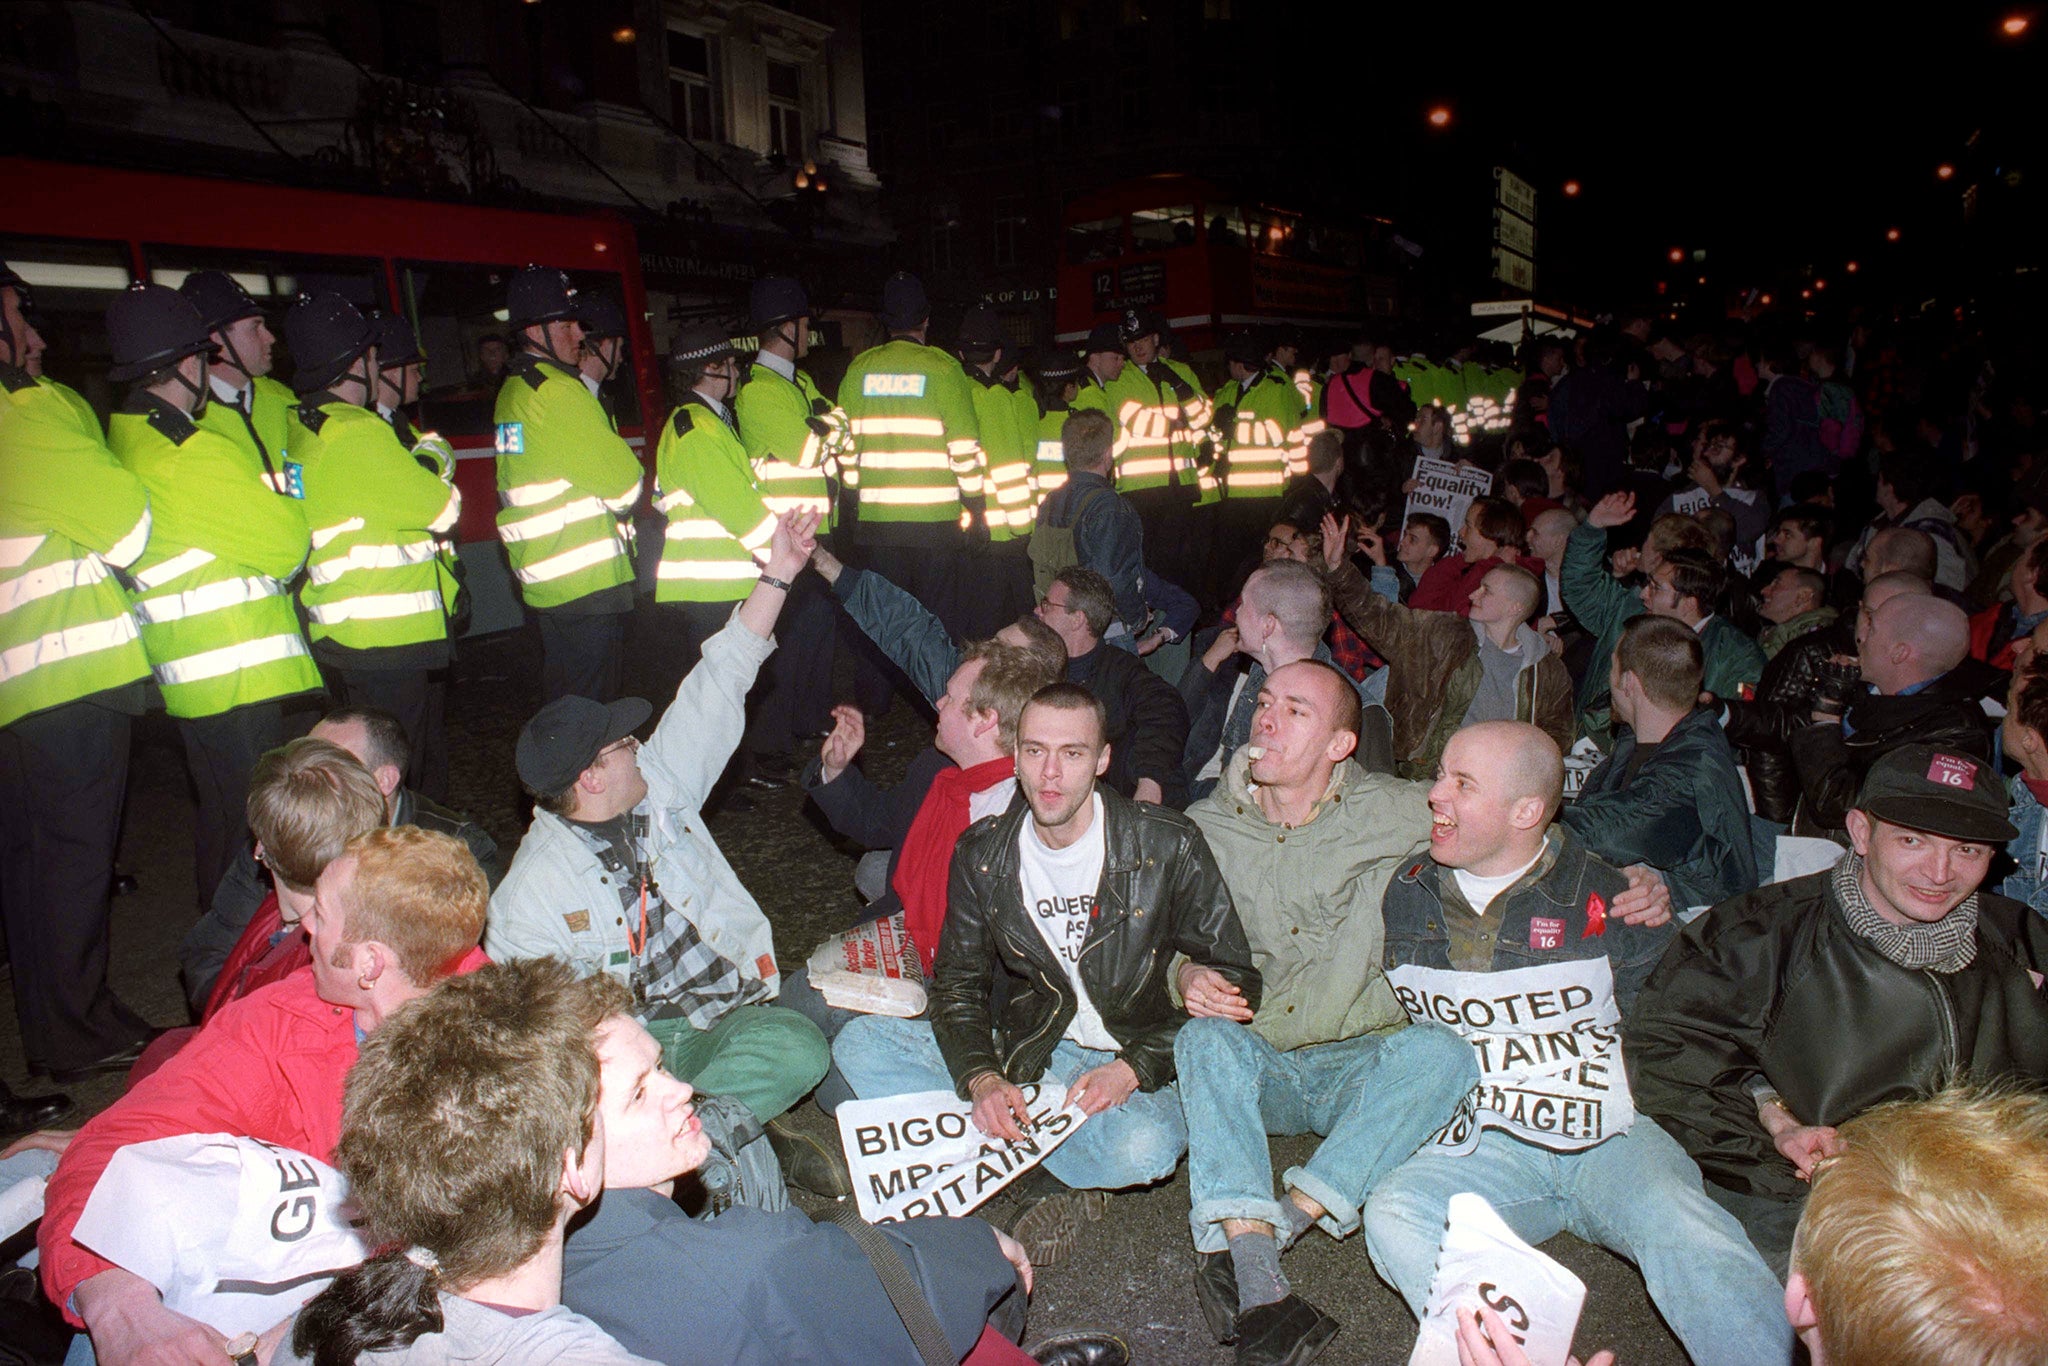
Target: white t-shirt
(1480,891)
(1059,895)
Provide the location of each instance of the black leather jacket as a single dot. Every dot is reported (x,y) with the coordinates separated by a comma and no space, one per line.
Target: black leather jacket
(1785,695)
(1161,895)
(1775,988)
(1832,760)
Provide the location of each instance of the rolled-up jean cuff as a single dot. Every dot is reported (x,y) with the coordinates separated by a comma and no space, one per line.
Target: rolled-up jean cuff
(1205,1220)
(1339,1218)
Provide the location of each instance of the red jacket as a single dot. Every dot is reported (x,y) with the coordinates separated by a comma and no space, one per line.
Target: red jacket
(1989,625)
(269,1066)
(1448,585)
(254,963)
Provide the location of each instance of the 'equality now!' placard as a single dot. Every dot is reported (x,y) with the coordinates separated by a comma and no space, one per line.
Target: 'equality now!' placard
(1548,1039)
(1446,490)
(920,1154)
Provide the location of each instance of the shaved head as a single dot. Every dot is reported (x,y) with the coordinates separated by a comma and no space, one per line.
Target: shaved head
(1900,548)
(1497,788)
(1914,638)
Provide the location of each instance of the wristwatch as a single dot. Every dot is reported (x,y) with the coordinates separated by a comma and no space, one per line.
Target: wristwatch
(241,1350)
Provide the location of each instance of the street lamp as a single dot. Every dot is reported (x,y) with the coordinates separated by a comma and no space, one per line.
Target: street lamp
(1571,188)
(1891,234)
(1944,171)
(1677,255)
(2014,25)
(1440,117)
(1851,267)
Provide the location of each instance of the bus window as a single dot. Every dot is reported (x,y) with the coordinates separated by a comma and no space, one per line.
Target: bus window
(1097,240)
(1226,225)
(459,313)
(71,284)
(274,280)
(1157,229)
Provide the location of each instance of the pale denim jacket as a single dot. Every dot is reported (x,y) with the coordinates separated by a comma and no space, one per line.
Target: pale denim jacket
(557,899)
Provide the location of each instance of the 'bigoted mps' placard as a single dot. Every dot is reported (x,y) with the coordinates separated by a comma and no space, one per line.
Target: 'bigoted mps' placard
(920,1154)
(1548,1040)
(1446,490)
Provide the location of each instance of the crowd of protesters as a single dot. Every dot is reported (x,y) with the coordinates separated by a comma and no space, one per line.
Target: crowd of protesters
(1715,726)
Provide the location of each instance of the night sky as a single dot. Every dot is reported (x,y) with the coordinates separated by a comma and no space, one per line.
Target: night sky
(1775,137)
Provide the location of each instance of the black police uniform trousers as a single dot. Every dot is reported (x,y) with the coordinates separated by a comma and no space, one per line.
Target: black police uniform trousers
(63,777)
(582,654)
(220,752)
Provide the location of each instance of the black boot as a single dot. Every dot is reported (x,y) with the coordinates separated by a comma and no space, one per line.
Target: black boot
(20,1114)
(1082,1347)
(1291,1332)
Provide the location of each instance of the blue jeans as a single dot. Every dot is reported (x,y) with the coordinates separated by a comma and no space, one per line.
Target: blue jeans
(1374,1099)
(1135,1144)
(1637,1195)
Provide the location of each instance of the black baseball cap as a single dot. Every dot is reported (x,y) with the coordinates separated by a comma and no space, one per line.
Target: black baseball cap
(1944,792)
(565,736)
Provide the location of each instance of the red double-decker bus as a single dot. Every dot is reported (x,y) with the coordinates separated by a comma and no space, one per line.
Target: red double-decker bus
(1210,262)
(81,234)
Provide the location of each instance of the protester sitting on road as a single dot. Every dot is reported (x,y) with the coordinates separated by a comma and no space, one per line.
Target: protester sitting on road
(1669,794)
(307,800)
(1823,660)
(1922,1235)
(1148,722)
(374,740)
(1445,671)
(1686,590)
(1910,691)
(619,873)
(1281,618)
(967,774)
(1794,603)
(1784,1013)
(1307,841)
(1075,864)
(1504,889)
(746,1287)
(1492,536)
(2024,737)
(1425,539)
(401,909)
(501,1064)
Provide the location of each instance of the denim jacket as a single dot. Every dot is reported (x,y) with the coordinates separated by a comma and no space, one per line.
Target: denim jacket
(1563,886)
(557,899)
(2029,881)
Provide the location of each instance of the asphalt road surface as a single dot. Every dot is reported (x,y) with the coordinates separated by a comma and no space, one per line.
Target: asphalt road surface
(1131,1271)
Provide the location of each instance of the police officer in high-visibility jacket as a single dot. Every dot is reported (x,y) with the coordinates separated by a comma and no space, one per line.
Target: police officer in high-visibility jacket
(604,345)
(72,678)
(1260,413)
(401,373)
(796,439)
(217,618)
(372,592)
(918,460)
(1000,568)
(567,483)
(1163,419)
(1102,362)
(248,407)
(1055,382)
(719,526)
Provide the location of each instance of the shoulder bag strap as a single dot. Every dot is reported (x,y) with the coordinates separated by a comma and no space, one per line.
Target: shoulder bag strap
(922,1324)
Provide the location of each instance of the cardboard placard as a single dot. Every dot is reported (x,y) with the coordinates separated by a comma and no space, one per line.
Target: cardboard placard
(1548,1041)
(920,1154)
(1482,1262)
(1446,490)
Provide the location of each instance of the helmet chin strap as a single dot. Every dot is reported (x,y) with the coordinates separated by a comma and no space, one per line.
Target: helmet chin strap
(358,372)
(546,345)
(202,392)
